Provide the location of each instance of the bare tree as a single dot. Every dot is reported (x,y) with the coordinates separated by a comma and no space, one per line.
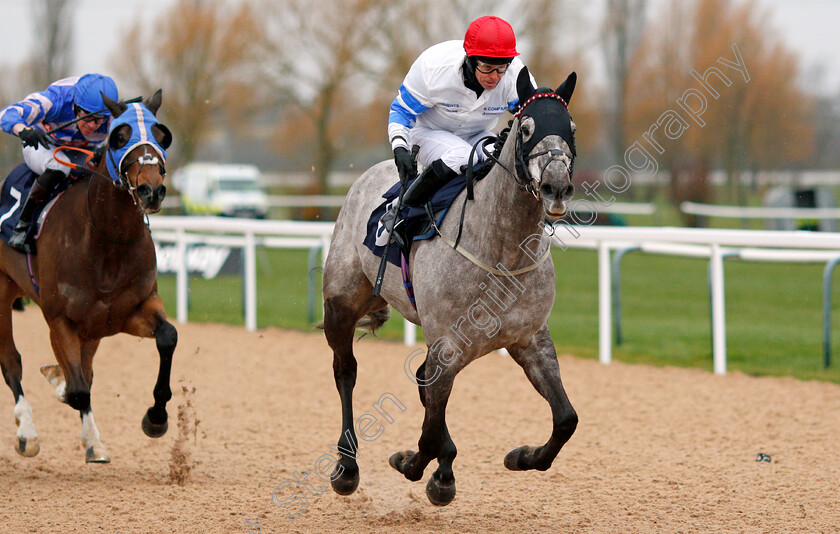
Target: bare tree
(200,53)
(757,117)
(623,25)
(419,24)
(52,56)
(317,59)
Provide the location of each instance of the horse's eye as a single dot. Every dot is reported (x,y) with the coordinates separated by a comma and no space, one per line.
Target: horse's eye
(527,128)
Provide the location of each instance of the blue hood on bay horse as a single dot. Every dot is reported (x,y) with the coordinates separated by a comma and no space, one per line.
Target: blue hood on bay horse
(140,120)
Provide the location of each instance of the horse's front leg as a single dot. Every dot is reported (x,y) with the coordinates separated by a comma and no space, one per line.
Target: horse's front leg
(435,383)
(539,360)
(441,486)
(73,380)
(150,321)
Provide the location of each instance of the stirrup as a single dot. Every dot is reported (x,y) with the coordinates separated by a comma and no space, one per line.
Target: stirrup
(389,219)
(393,224)
(18,239)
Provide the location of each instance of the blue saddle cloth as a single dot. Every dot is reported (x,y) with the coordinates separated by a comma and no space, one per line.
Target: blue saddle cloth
(13,194)
(416,224)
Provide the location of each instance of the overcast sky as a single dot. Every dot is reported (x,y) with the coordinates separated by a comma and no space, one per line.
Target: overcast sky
(810,27)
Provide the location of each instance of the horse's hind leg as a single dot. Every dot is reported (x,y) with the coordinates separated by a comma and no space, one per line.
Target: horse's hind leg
(539,361)
(27,443)
(340,318)
(75,359)
(150,321)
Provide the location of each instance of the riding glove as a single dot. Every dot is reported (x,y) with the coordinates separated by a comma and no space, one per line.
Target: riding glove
(406,164)
(33,137)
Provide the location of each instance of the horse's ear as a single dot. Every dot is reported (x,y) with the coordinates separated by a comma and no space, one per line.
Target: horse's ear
(567,87)
(116,108)
(162,135)
(154,101)
(524,87)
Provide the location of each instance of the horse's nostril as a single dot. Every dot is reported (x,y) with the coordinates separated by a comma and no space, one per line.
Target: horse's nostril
(568,191)
(548,190)
(161,192)
(144,191)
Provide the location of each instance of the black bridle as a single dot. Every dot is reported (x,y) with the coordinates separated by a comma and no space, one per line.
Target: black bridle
(124,183)
(522,155)
(523,150)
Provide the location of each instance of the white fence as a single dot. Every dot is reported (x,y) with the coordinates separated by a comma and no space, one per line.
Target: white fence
(714,244)
(741,212)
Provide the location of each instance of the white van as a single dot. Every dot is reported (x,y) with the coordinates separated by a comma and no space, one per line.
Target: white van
(229,190)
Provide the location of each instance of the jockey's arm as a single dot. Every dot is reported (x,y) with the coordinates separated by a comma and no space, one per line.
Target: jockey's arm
(404,111)
(412,99)
(28,112)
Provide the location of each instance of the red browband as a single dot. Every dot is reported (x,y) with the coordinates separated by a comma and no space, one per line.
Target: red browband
(537,96)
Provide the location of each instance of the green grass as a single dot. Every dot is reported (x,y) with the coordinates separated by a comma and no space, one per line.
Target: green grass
(773,310)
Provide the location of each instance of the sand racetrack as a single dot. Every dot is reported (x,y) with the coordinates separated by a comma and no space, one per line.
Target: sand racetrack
(656,450)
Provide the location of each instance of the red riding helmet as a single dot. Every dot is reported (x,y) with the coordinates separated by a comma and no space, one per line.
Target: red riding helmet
(490,37)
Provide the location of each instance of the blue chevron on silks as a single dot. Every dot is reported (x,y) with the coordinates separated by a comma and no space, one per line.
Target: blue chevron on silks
(140,120)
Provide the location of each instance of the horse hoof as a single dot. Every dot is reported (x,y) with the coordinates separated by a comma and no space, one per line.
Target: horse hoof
(154,430)
(516,459)
(53,374)
(346,484)
(440,494)
(27,447)
(55,377)
(97,455)
(397,460)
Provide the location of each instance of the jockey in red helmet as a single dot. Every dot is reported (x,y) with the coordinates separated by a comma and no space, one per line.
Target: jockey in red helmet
(452,96)
(36,120)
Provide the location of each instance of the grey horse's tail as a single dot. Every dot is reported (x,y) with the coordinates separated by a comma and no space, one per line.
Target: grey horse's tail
(371,322)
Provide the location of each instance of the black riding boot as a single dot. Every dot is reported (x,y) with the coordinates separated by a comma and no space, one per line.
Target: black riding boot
(428,183)
(421,190)
(40,189)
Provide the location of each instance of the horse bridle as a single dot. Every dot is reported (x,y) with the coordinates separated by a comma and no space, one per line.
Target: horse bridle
(125,183)
(522,176)
(145,159)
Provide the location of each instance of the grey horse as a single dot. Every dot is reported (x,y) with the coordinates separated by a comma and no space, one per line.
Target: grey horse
(495,290)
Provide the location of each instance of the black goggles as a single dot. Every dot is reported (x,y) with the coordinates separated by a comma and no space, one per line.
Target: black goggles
(88,116)
(487,68)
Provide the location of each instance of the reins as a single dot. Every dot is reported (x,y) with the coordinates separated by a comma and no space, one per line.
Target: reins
(145,159)
(521,178)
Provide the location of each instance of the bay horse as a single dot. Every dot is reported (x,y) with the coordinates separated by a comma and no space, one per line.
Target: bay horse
(467,307)
(95,275)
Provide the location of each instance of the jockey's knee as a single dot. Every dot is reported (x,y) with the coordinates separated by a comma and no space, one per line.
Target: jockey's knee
(51,178)
(456,158)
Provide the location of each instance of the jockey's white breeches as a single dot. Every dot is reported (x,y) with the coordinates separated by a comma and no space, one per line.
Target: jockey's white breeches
(454,151)
(42,159)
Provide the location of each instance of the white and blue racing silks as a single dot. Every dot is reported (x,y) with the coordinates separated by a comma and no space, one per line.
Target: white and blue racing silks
(404,111)
(433,95)
(140,120)
(48,109)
